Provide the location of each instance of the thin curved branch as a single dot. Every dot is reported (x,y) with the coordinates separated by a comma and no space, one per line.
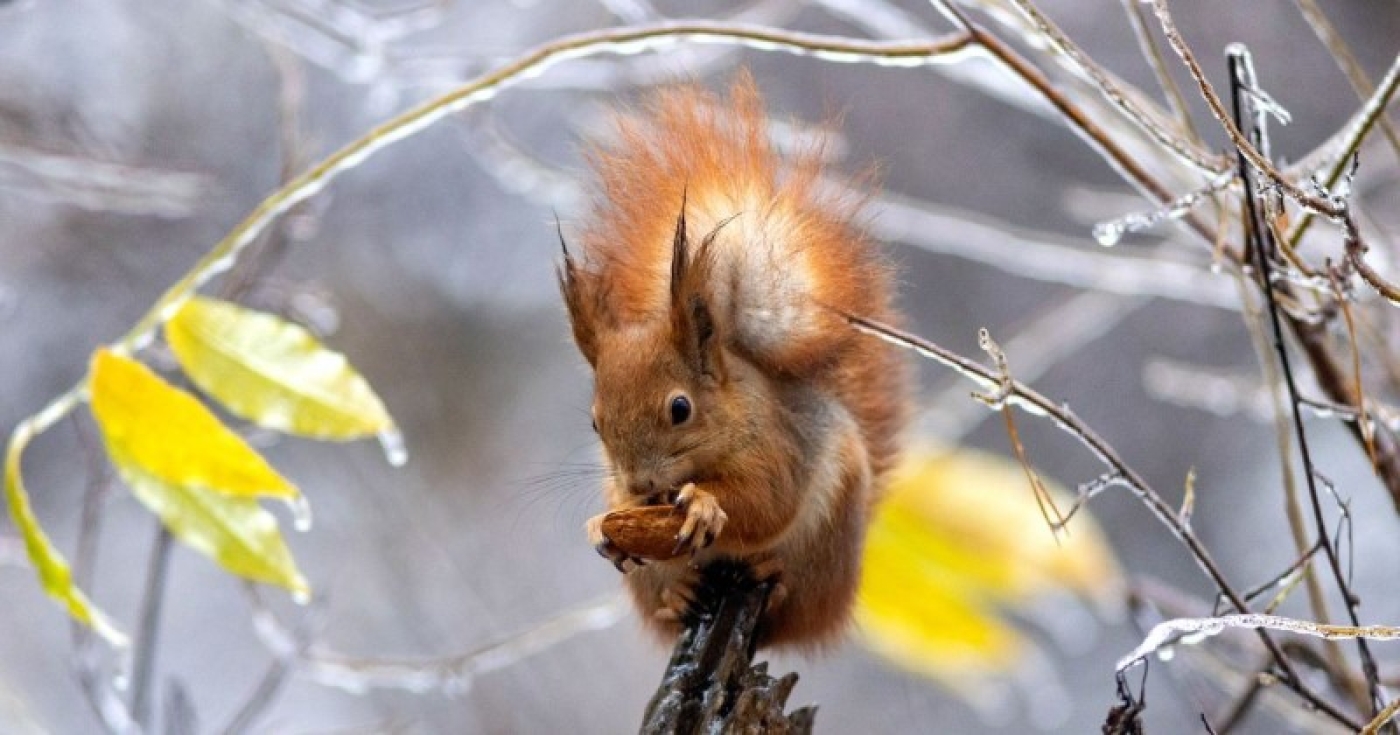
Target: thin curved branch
(1355,131)
(1356,256)
(1097,138)
(1332,210)
(1120,98)
(1043,257)
(1120,473)
(1346,61)
(626,40)
(1197,629)
(453,673)
(1148,47)
(1261,248)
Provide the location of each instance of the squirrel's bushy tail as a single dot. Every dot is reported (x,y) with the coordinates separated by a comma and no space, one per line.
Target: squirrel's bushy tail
(787,252)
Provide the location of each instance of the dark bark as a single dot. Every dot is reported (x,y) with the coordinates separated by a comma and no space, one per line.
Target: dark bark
(711,684)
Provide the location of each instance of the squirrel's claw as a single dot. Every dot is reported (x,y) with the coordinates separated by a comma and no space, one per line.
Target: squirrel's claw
(704,519)
(624,562)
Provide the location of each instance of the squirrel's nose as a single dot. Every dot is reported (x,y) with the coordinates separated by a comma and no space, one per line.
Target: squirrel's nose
(640,486)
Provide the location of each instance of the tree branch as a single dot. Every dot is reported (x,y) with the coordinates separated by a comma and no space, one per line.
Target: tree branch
(711,684)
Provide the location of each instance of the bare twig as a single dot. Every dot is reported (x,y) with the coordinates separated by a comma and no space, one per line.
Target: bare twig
(1097,138)
(996,400)
(95,184)
(1352,134)
(1242,705)
(1126,102)
(1195,630)
(1346,61)
(148,631)
(1259,161)
(1293,507)
(1258,237)
(1043,257)
(1356,257)
(1382,718)
(1059,331)
(268,687)
(97,686)
(1148,46)
(450,673)
(1363,415)
(1120,473)
(627,40)
(1228,664)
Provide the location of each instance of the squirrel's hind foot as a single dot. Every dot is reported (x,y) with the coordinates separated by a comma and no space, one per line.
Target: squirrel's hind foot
(677,599)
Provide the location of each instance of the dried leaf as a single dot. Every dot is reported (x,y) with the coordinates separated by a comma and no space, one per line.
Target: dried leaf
(959,541)
(168,434)
(234,531)
(273,373)
(52,568)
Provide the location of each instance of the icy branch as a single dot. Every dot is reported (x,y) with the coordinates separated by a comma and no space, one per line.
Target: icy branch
(451,674)
(1189,631)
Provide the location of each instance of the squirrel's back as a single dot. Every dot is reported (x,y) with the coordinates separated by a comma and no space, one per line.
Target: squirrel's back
(787,255)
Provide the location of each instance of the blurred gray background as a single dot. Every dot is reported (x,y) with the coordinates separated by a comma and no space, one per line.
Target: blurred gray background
(133,135)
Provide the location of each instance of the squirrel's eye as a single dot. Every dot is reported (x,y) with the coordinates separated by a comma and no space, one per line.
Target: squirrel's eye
(594,423)
(680,410)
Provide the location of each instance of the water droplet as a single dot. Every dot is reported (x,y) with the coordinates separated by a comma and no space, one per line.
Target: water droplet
(301,597)
(301,513)
(391,439)
(1166,654)
(121,673)
(1108,233)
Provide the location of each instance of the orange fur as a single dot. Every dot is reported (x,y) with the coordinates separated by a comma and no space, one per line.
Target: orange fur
(730,301)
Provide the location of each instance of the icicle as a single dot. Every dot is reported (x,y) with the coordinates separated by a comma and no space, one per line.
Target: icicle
(301,513)
(395,451)
(121,673)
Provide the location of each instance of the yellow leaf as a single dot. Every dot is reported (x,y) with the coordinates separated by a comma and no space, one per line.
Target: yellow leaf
(234,531)
(171,436)
(273,372)
(958,542)
(53,570)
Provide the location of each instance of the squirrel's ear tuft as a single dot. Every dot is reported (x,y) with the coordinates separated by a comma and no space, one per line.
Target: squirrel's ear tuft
(580,292)
(693,323)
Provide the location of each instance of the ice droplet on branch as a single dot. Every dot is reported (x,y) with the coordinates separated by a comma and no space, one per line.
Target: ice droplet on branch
(395,451)
(301,513)
(1109,233)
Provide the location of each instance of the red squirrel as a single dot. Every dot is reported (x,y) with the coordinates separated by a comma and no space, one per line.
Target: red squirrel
(708,299)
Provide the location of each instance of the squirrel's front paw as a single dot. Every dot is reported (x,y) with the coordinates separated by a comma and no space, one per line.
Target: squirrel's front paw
(704,519)
(604,546)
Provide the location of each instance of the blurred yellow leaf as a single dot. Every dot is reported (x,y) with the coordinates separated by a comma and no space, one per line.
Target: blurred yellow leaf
(234,531)
(958,541)
(199,477)
(52,568)
(272,372)
(170,435)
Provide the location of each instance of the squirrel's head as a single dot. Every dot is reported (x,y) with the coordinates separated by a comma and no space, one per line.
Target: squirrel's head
(669,400)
